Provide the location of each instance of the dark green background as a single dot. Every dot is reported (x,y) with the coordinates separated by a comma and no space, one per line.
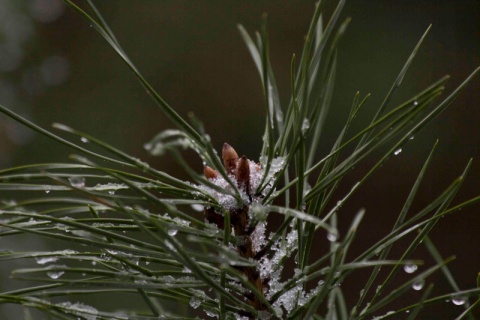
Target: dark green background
(191,52)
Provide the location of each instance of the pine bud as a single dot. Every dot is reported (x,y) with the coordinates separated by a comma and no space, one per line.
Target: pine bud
(230,158)
(210,173)
(242,174)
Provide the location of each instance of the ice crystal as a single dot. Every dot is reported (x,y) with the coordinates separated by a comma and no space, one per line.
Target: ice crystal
(271,268)
(195,302)
(211,313)
(258,237)
(258,212)
(226,201)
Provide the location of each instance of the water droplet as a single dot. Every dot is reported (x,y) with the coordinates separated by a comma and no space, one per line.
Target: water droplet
(197,207)
(111,192)
(305,126)
(332,237)
(77,182)
(172,232)
(458,300)
(415,103)
(147,146)
(410,268)
(397,152)
(55,274)
(411,138)
(84,140)
(418,285)
(47,188)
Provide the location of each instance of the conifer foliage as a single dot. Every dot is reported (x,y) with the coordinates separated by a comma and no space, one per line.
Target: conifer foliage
(206,245)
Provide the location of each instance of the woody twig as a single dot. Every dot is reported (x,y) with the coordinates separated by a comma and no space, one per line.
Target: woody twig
(239,170)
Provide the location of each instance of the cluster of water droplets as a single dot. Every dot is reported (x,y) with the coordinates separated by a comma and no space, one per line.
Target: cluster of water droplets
(51,257)
(197,298)
(419,284)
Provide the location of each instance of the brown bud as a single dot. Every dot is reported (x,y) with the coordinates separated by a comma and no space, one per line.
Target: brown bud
(210,173)
(242,174)
(230,158)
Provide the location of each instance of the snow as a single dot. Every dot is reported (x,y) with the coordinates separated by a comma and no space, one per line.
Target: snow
(79,309)
(257,171)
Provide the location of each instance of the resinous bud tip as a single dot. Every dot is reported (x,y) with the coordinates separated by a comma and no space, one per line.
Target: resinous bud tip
(242,174)
(230,158)
(210,173)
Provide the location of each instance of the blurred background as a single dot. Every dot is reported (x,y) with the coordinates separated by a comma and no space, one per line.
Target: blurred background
(55,68)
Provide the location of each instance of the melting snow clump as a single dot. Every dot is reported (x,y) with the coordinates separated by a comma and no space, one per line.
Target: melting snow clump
(80,309)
